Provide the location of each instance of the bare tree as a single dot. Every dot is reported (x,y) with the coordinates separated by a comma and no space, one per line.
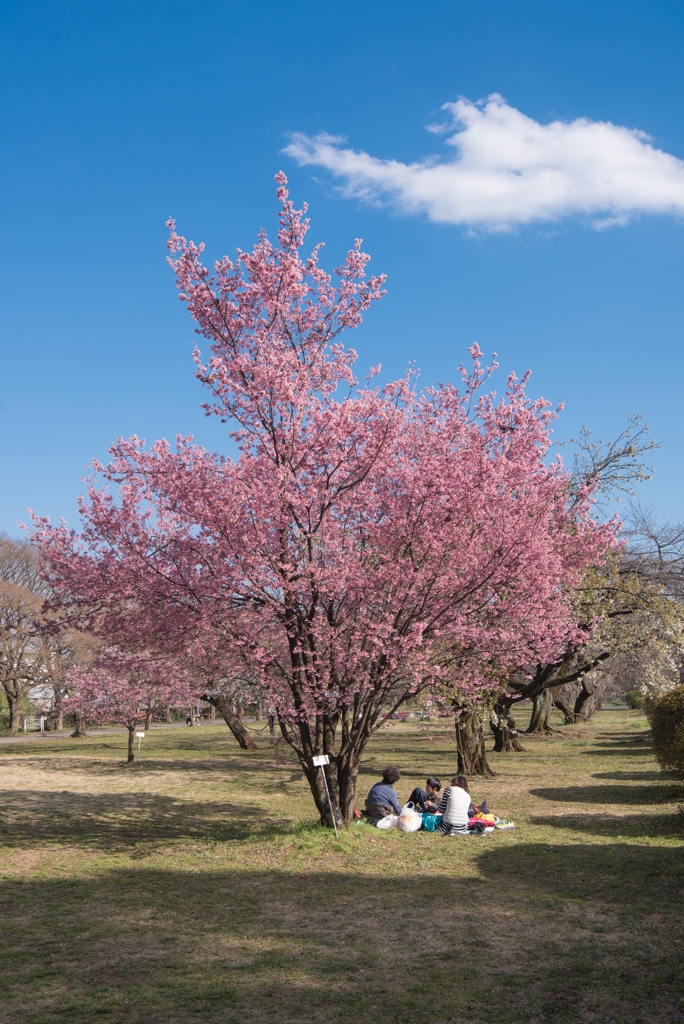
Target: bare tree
(22,592)
(35,648)
(612,468)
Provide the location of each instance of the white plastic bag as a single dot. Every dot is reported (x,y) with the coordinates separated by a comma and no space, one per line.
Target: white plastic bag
(409,819)
(390,821)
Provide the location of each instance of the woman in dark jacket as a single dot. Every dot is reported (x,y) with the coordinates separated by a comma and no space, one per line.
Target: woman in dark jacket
(382,799)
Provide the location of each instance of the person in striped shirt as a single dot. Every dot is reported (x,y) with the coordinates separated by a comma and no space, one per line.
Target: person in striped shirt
(455,807)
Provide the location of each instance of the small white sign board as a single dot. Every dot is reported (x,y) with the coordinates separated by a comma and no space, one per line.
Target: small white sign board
(140,735)
(318,762)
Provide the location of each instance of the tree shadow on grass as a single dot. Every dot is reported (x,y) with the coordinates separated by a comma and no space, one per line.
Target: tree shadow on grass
(621,740)
(615,825)
(613,873)
(630,776)
(621,795)
(571,939)
(115,821)
(617,752)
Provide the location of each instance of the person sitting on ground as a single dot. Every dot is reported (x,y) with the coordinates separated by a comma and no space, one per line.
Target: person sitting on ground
(382,799)
(455,807)
(426,800)
(479,810)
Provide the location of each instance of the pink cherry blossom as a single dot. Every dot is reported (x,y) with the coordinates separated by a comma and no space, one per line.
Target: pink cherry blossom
(123,689)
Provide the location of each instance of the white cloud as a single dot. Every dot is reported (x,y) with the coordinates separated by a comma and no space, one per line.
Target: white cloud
(508,169)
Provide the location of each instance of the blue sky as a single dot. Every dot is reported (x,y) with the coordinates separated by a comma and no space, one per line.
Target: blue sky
(118,116)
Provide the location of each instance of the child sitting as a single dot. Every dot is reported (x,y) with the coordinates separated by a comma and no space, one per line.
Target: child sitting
(426,800)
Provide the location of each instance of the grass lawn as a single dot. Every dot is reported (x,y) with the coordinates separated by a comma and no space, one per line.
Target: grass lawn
(196,886)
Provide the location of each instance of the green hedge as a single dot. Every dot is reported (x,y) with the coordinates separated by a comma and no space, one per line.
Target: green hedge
(666,714)
(635,699)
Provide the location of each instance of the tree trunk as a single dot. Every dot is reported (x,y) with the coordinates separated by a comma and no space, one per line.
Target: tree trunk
(541,712)
(168,715)
(319,737)
(505,733)
(568,715)
(15,715)
(191,716)
(14,710)
(148,720)
(514,740)
(232,721)
(131,739)
(590,709)
(347,778)
(583,696)
(341,779)
(334,774)
(470,745)
(55,720)
(259,711)
(79,727)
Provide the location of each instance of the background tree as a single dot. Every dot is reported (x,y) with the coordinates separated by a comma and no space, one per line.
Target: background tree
(601,470)
(22,592)
(36,647)
(634,597)
(59,649)
(123,690)
(225,690)
(635,617)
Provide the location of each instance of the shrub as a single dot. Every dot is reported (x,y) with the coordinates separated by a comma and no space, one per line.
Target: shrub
(667,727)
(635,699)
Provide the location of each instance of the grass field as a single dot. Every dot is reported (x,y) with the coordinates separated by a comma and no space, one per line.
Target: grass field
(196,886)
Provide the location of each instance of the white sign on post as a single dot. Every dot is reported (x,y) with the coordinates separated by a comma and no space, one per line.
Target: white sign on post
(318,762)
(140,735)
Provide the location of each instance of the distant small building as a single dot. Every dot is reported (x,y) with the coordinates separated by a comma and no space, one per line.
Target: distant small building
(42,697)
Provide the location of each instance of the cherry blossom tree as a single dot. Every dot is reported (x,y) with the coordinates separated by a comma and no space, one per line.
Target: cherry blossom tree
(369,543)
(125,690)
